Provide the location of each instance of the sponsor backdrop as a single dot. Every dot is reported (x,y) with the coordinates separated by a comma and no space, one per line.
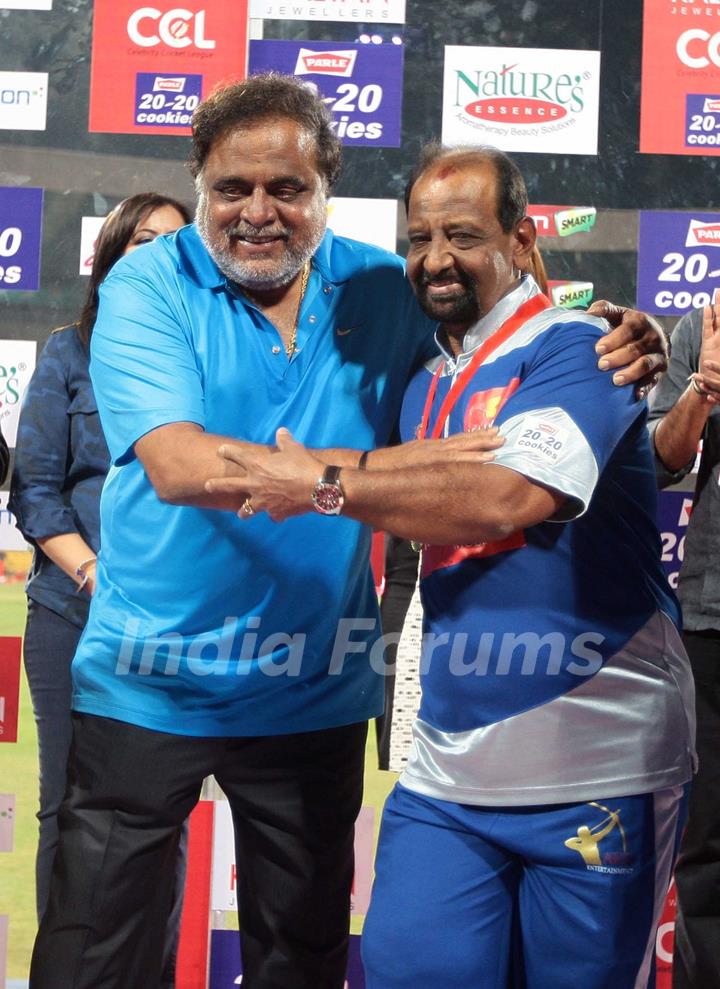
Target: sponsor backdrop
(367,12)
(680,101)
(151,66)
(522,99)
(17,363)
(678,261)
(20,236)
(9,688)
(362,84)
(23,100)
(616,130)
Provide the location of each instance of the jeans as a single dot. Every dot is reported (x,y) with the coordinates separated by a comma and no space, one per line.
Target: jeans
(50,643)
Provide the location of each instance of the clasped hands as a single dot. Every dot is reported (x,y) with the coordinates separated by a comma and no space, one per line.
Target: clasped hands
(280,480)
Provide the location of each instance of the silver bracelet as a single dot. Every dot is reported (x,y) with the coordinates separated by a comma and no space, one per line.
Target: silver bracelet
(696,387)
(80,571)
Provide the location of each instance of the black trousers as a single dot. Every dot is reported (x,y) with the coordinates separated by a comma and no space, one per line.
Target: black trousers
(48,649)
(696,963)
(294,800)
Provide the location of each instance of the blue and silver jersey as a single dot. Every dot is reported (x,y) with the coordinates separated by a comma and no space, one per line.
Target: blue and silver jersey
(552,668)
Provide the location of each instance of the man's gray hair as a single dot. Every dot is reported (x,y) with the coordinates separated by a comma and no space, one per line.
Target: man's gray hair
(262,98)
(512,197)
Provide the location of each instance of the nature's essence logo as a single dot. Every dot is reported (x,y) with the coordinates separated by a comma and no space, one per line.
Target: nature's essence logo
(512,96)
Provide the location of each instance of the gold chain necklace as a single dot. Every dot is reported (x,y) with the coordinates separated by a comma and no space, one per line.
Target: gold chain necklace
(290,349)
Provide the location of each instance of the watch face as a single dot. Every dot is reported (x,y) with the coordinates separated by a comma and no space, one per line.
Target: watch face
(328,498)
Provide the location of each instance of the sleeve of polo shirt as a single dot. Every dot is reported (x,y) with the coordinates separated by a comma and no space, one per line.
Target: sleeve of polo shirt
(566,418)
(37,495)
(684,361)
(142,366)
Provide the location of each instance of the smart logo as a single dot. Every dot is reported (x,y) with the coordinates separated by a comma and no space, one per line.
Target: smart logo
(562,221)
(571,295)
(573,221)
(148,27)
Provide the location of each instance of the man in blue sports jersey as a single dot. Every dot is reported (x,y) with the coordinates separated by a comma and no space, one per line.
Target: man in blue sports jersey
(534,829)
(211,643)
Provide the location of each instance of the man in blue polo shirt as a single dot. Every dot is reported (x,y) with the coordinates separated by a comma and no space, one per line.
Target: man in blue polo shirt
(216,646)
(537,820)
(210,643)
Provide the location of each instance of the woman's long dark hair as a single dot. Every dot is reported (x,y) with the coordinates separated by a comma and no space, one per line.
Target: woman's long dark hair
(115,235)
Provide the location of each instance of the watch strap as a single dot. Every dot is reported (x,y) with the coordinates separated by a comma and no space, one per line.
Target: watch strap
(331,475)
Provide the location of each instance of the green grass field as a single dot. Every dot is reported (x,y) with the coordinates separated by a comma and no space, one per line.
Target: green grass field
(18,775)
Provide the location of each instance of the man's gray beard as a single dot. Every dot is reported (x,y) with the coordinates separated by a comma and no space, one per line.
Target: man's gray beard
(246,274)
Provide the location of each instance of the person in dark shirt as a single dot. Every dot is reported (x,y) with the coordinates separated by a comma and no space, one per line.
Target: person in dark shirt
(61,461)
(684,412)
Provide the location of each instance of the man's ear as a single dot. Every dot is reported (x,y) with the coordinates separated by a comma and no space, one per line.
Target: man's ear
(525,237)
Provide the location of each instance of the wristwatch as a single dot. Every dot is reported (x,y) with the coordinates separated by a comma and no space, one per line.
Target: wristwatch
(327,496)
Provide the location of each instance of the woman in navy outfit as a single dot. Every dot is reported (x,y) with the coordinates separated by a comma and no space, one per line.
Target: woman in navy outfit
(61,461)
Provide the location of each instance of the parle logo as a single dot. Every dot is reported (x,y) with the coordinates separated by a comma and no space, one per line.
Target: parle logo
(702,234)
(169,84)
(337,63)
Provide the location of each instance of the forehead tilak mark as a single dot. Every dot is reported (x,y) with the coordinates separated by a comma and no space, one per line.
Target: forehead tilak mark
(446,170)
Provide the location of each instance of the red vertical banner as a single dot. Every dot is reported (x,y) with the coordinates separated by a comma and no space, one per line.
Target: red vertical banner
(194,947)
(680,90)
(10,648)
(377,561)
(151,66)
(665,941)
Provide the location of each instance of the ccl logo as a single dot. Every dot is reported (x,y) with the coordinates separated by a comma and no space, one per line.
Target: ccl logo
(697,48)
(178,28)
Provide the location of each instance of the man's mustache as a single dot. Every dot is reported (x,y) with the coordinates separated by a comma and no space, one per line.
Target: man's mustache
(457,276)
(247,230)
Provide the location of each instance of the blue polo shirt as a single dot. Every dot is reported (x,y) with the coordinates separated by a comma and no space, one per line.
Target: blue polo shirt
(202,624)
